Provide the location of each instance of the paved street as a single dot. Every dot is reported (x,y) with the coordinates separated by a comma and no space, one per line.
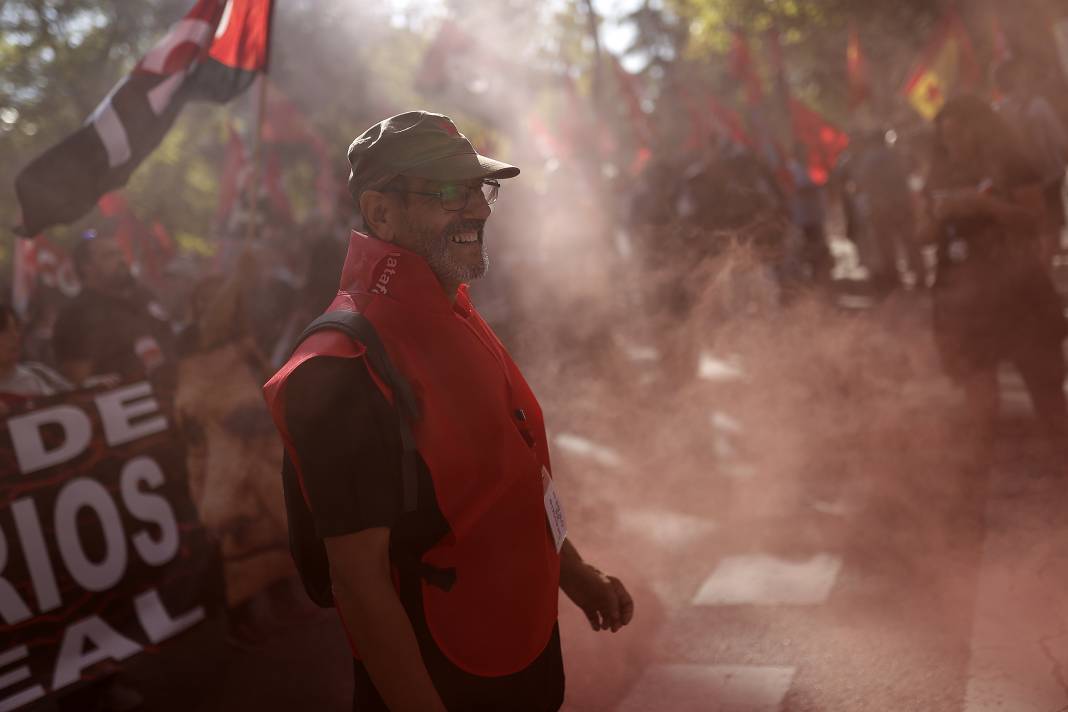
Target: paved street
(866,565)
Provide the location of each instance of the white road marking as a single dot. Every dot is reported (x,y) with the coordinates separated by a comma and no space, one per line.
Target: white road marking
(711,368)
(583,447)
(761,580)
(709,688)
(663,527)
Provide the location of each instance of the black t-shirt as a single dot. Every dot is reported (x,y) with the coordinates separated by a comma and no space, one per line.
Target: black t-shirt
(349,449)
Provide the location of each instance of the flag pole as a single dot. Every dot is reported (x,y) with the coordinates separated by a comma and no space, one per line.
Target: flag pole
(257,134)
(257,150)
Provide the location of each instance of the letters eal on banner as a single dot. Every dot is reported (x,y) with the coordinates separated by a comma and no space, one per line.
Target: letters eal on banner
(102,555)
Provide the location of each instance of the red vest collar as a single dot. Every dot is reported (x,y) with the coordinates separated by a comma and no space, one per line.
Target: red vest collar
(375,267)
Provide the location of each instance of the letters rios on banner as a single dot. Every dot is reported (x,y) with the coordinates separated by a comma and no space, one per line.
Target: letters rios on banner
(102,556)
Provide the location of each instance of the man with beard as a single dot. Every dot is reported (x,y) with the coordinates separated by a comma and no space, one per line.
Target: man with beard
(115,328)
(450,600)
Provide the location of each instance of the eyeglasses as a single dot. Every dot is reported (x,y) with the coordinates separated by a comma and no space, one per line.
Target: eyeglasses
(456,197)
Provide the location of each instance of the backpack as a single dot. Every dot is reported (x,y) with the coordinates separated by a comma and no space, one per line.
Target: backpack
(307,549)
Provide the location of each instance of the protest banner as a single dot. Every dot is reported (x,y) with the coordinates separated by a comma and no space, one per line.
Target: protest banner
(102,555)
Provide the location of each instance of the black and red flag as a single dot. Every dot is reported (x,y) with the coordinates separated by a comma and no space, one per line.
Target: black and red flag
(211,54)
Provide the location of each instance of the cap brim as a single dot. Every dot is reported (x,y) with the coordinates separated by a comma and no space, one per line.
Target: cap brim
(463,166)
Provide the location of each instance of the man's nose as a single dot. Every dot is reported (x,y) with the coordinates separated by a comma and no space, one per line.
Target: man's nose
(477,208)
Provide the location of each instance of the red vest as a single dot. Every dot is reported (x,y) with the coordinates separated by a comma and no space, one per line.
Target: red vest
(485,461)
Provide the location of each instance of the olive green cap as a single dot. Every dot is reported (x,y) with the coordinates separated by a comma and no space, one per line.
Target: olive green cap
(420,144)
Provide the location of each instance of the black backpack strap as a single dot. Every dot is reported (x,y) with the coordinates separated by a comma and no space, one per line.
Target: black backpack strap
(357,327)
(309,552)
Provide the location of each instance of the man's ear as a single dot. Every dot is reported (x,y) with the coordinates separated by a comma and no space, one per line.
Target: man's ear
(379,214)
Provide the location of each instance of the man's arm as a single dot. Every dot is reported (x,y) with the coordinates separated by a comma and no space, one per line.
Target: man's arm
(1022,211)
(347,444)
(602,598)
(376,621)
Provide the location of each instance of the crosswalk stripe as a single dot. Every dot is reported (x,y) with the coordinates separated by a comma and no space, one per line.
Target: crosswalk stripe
(709,688)
(763,580)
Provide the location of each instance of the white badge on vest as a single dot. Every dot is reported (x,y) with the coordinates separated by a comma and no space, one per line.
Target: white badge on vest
(553,509)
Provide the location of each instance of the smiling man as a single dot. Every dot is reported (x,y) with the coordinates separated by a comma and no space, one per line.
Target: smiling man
(446,582)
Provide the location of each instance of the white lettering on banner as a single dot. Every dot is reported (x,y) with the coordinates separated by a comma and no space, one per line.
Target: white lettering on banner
(149,508)
(138,476)
(42,575)
(30,450)
(103,642)
(16,676)
(157,622)
(85,493)
(107,642)
(120,407)
(12,608)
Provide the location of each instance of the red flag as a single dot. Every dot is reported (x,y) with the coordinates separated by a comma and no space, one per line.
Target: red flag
(578,126)
(743,69)
(242,38)
(40,263)
(857,70)
(147,248)
(823,142)
(284,123)
(450,42)
(727,121)
(999,42)
(544,140)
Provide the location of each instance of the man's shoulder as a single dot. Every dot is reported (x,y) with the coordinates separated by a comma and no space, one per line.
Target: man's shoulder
(323,383)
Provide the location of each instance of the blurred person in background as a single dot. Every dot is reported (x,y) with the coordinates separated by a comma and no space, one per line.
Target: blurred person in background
(322,267)
(814,259)
(879,211)
(114,329)
(451,602)
(1041,135)
(731,199)
(21,383)
(994,300)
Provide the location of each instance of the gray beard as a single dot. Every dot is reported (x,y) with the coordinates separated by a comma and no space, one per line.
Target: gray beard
(436,253)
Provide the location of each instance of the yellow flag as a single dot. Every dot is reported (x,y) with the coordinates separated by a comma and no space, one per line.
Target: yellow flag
(946,67)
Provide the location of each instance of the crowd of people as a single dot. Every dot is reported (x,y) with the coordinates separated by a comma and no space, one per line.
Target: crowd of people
(968,213)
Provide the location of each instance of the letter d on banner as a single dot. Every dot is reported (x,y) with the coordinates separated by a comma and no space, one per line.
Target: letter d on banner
(30,449)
